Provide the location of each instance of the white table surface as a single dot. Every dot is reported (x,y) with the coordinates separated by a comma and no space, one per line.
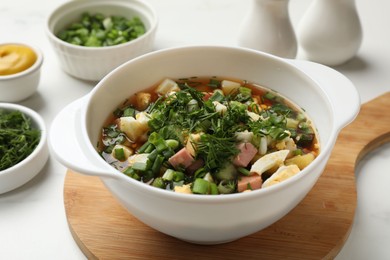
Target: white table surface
(32,218)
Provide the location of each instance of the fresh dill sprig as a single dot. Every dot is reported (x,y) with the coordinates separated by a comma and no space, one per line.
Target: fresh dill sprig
(216,150)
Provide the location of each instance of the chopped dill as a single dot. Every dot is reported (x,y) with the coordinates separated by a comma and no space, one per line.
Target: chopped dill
(18,138)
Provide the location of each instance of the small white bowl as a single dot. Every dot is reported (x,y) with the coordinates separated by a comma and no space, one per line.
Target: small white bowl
(22,172)
(21,85)
(93,63)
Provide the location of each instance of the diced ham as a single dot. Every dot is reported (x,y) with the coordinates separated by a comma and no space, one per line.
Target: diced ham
(246,154)
(182,158)
(251,182)
(195,166)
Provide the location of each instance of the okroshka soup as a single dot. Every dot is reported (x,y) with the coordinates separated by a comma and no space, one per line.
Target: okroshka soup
(208,135)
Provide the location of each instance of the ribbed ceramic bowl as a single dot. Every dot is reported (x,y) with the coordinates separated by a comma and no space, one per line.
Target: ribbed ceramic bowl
(22,172)
(328,97)
(19,86)
(93,63)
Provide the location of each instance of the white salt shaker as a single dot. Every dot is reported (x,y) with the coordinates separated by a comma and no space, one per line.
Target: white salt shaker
(267,27)
(330,32)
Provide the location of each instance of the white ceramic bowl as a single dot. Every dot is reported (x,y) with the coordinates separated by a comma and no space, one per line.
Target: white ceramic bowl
(329,98)
(21,85)
(22,172)
(93,63)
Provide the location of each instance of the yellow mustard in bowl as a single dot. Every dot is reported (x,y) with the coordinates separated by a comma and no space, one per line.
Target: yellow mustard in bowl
(15,58)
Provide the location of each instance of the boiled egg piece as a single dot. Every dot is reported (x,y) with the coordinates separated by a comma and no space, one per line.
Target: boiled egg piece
(283,173)
(269,161)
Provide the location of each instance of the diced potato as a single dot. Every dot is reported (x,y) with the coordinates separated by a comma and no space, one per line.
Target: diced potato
(292,123)
(183,189)
(228,87)
(143,118)
(127,151)
(280,145)
(167,86)
(264,106)
(244,136)
(143,100)
(190,146)
(286,144)
(290,144)
(301,160)
(131,127)
(254,117)
(220,108)
(140,158)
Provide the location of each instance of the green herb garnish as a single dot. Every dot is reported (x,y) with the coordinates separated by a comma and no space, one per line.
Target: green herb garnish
(18,138)
(99,30)
(216,150)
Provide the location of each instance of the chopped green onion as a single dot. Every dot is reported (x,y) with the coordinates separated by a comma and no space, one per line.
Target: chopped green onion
(168,175)
(143,148)
(98,30)
(157,164)
(244,171)
(213,189)
(214,83)
(149,149)
(147,176)
(217,96)
(158,141)
(132,173)
(129,112)
(200,186)
(120,154)
(153,155)
(269,96)
(298,152)
(142,166)
(178,176)
(200,173)
(172,143)
(245,91)
(171,175)
(159,183)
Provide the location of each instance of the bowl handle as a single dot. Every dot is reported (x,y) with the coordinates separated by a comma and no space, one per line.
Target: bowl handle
(65,145)
(339,88)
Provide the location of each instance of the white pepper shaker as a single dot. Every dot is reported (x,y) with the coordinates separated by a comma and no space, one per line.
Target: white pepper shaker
(330,32)
(267,27)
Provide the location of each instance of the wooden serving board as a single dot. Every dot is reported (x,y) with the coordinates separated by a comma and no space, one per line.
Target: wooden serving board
(316,229)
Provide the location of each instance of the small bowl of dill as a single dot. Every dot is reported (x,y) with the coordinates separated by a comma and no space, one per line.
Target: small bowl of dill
(23,145)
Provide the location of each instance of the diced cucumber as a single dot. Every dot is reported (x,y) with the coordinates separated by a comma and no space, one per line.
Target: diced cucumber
(201,186)
(142,166)
(227,172)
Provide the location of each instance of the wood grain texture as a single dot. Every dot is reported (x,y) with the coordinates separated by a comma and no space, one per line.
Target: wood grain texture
(316,229)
